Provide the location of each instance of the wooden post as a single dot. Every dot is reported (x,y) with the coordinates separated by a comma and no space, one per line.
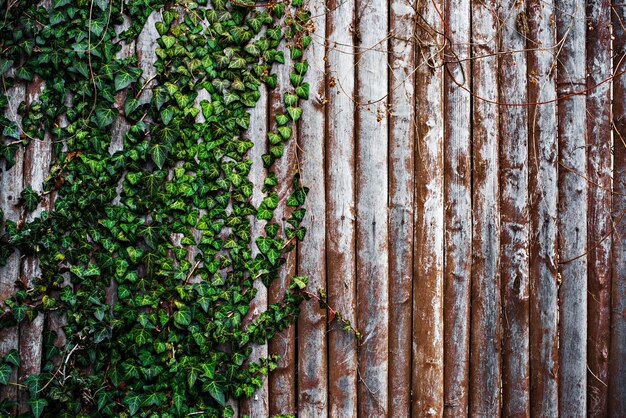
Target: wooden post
(312,343)
(458,207)
(572,209)
(428,365)
(515,217)
(485,364)
(401,200)
(372,193)
(282,381)
(617,365)
(599,235)
(543,194)
(340,209)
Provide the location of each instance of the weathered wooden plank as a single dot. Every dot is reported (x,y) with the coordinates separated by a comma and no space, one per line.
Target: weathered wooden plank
(599,238)
(312,344)
(514,215)
(282,381)
(372,191)
(11,185)
(617,353)
(485,368)
(458,209)
(340,209)
(37,157)
(401,200)
(572,210)
(258,404)
(427,379)
(542,155)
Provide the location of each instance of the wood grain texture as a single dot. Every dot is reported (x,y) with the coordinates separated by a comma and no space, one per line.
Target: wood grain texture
(11,185)
(572,210)
(371,202)
(427,379)
(401,201)
(458,209)
(514,215)
(340,208)
(312,343)
(485,363)
(543,195)
(617,365)
(599,237)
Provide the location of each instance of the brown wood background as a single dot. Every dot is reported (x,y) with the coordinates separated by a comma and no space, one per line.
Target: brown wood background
(466,161)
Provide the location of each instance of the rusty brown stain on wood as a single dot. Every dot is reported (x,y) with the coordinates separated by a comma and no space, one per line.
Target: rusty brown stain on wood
(401,199)
(542,154)
(485,364)
(427,379)
(599,234)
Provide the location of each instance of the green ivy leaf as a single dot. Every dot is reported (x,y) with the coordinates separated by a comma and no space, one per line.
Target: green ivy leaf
(104,116)
(5,374)
(159,153)
(216,391)
(30,198)
(126,77)
(168,41)
(303,91)
(182,316)
(37,406)
(12,357)
(295,113)
(264,244)
(290,99)
(298,282)
(133,401)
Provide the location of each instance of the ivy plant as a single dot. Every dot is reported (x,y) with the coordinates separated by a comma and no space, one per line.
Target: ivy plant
(148,252)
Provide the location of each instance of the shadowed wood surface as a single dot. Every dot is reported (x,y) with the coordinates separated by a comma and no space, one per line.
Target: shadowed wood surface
(466,163)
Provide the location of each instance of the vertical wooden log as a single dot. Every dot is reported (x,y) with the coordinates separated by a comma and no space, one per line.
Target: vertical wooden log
(458,210)
(599,233)
(282,381)
(258,404)
(514,218)
(427,379)
(312,344)
(485,308)
(11,185)
(340,210)
(572,209)
(372,193)
(401,199)
(37,158)
(617,354)
(542,155)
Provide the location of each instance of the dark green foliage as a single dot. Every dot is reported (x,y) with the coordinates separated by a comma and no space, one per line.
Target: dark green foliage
(148,251)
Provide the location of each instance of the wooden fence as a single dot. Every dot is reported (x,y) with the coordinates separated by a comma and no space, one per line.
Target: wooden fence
(466,164)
